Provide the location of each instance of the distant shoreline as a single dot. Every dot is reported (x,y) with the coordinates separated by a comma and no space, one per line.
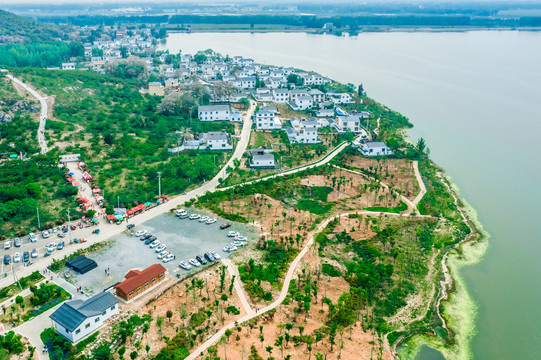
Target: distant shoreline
(375,30)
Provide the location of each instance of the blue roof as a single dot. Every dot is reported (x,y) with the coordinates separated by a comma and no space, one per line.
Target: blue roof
(72,314)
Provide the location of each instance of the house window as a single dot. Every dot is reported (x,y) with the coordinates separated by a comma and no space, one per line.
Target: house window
(97,319)
(87,326)
(146,284)
(131,293)
(153,280)
(113,307)
(77,331)
(139,288)
(161,275)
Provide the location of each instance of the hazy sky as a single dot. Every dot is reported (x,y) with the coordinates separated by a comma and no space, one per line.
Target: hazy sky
(207,2)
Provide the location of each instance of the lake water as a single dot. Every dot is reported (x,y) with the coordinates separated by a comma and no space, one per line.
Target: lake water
(476,98)
(183,237)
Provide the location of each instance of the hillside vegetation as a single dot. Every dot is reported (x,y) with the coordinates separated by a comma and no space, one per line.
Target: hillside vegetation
(17,29)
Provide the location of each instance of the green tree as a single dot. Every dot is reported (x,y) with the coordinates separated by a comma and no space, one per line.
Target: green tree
(169,314)
(133,355)
(122,351)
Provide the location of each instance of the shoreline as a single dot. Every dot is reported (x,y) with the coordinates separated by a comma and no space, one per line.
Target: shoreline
(313,31)
(459,309)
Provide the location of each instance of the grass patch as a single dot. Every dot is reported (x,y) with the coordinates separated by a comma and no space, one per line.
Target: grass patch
(25,282)
(314,206)
(395,210)
(330,270)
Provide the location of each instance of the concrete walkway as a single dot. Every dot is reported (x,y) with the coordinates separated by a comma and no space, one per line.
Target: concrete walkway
(232,269)
(422,186)
(43,116)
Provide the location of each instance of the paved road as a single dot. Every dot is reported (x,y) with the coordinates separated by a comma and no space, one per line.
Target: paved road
(422,186)
(43,116)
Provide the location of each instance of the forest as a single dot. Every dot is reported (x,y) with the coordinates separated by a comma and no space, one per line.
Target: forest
(39,54)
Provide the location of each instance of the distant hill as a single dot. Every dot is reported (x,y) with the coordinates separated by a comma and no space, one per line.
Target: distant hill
(18,29)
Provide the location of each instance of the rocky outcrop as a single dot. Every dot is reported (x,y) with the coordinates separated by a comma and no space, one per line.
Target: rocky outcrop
(4,118)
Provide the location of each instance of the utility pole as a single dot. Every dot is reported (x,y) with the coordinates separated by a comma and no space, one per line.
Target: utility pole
(118,201)
(69,223)
(39,225)
(159,184)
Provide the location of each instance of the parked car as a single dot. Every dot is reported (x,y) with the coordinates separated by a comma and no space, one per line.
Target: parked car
(225,226)
(209,257)
(34,253)
(45,234)
(26,256)
(60,246)
(168,258)
(60,235)
(194,262)
(51,247)
(201,260)
(129,226)
(7,244)
(32,237)
(17,242)
(148,241)
(16,257)
(7,259)
(185,265)
(216,256)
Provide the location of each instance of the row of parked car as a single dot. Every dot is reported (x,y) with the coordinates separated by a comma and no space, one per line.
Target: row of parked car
(59,230)
(208,257)
(17,257)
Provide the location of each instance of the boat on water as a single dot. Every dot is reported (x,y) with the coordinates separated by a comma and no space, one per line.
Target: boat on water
(181,213)
(225,226)
(232,234)
(194,216)
(210,221)
(203,218)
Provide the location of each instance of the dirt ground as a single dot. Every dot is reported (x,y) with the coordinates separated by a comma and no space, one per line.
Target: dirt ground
(395,172)
(353,343)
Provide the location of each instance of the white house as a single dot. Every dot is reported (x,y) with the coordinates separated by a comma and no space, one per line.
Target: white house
(215,140)
(375,148)
(77,319)
(304,132)
(325,113)
(214,113)
(266,120)
(265,161)
(263,94)
(303,103)
(343,98)
(280,95)
(68,66)
(295,93)
(351,122)
(247,82)
(317,95)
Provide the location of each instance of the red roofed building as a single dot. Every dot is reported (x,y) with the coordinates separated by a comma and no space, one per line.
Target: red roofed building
(139,281)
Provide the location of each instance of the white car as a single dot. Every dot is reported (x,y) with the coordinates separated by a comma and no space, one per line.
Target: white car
(163,254)
(16,257)
(194,262)
(168,258)
(34,253)
(140,233)
(241,238)
(32,237)
(154,244)
(232,234)
(51,247)
(45,234)
(160,248)
(216,256)
(7,244)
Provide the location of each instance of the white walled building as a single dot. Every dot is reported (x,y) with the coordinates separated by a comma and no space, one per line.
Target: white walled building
(266,120)
(375,148)
(215,140)
(265,161)
(280,96)
(351,122)
(77,319)
(303,132)
(68,66)
(214,113)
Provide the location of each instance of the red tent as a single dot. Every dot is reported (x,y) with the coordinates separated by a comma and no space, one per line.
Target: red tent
(87,176)
(111,217)
(75,183)
(141,206)
(85,200)
(165,197)
(70,179)
(96,191)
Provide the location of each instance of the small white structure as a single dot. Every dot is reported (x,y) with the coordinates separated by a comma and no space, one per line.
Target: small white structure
(247,82)
(375,148)
(77,319)
(327,113)
(265,161)
(215,140)
(343,98)
(214,113)
(303,103)
(68,66)
(69,158)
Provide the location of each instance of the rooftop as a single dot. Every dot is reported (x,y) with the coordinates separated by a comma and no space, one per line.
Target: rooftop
(136,278)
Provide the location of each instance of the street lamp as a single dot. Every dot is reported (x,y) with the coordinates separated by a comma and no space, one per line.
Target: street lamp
(159,184)
(39,225)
